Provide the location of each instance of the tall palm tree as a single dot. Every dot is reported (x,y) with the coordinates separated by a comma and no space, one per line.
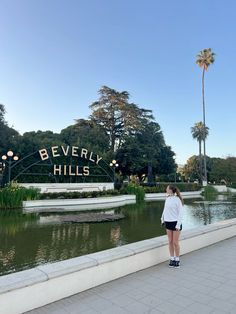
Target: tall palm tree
(199,132)
(205,58)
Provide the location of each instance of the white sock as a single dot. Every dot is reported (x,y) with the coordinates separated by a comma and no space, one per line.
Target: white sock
(177,258)
(172,258)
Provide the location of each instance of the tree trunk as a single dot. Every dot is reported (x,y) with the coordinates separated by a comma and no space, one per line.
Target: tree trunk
(204,126)
(200,160)
(150,176)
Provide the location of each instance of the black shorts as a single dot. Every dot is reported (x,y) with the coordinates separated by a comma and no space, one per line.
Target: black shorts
(170,225)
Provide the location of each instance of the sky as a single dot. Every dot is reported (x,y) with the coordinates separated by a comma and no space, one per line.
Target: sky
(55,55)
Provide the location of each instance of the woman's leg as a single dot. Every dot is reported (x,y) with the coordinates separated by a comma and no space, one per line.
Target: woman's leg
(176,246)
(170,240)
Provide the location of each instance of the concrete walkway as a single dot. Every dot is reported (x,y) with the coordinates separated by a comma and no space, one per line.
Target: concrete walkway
(205,283)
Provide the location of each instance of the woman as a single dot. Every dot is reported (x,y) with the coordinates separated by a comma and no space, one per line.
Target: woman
(172,219)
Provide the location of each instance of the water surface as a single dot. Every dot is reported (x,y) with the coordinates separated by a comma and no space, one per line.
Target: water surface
(30,240)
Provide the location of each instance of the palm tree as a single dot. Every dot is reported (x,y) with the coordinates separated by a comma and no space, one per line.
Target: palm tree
(199,132)
(205,58)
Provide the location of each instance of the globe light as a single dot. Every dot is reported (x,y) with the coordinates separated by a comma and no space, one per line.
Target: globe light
(9,158)
(10,153)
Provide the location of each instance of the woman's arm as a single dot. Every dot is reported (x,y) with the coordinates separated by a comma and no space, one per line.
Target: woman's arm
(162,216)
(181,214)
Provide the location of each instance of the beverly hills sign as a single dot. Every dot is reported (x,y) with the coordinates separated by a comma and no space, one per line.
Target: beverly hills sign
(70,151)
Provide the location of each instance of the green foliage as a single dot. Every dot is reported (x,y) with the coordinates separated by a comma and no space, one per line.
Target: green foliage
(219,170)
(146,152)
(14,221)
(183,187)
(74,195)
(117,116)
(12,196)
(8,136)
(223,170)
(191,169)
(205,58)
(86,133)
(32,141)
(209,192)
(133,188)
(199,132)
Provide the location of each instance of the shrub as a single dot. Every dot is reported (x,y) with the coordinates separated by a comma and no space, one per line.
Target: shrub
(232,185)
(12,196)
(71,195)
(161,187)
(209,192)
(133,188)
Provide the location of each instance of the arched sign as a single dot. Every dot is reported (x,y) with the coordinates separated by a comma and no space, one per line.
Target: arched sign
(67,164)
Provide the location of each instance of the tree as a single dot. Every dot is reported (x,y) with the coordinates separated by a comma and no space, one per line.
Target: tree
(199,132)
(146,153)
(85,133)
(33,141)
(205,58)
(2,113)
(8,136)
(223,170)
(117,116)
(191,168)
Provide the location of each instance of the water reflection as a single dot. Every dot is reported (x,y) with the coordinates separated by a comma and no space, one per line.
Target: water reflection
(207,212)
(7,257)
(116,236)
(14,221)
(27,241)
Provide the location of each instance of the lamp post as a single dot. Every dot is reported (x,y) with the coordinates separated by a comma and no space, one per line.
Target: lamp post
(175,167)
(2,167)
(9,158)
(149,169)
(113,165)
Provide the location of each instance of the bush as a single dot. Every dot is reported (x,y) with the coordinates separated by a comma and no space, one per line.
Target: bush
(183,187)
(12,196)
(209,192)
(232,185)
(133,188)
(72,195)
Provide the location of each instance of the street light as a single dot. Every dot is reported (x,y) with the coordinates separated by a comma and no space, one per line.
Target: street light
(113,165)
(175,167)
(149,169)
(9,158)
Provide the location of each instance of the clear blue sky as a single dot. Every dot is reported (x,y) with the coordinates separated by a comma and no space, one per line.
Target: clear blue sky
(56,54)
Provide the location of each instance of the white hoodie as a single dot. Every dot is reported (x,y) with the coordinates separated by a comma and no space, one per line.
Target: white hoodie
(173,210)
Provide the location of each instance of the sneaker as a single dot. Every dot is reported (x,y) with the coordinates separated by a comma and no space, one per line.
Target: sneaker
(172,263)
(177,264)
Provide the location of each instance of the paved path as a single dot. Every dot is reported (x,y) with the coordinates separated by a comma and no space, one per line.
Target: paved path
(205,283)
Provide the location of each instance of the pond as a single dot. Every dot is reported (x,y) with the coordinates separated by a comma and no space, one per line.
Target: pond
(30,240)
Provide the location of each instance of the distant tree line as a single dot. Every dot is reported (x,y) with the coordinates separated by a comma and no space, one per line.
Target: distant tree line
(219,170)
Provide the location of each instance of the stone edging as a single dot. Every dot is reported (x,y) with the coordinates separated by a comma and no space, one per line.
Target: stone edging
(93,203)
(77,204)
(162,196)
(29,289)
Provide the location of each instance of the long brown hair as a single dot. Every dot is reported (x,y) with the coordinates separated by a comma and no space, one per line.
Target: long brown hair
(176,191)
